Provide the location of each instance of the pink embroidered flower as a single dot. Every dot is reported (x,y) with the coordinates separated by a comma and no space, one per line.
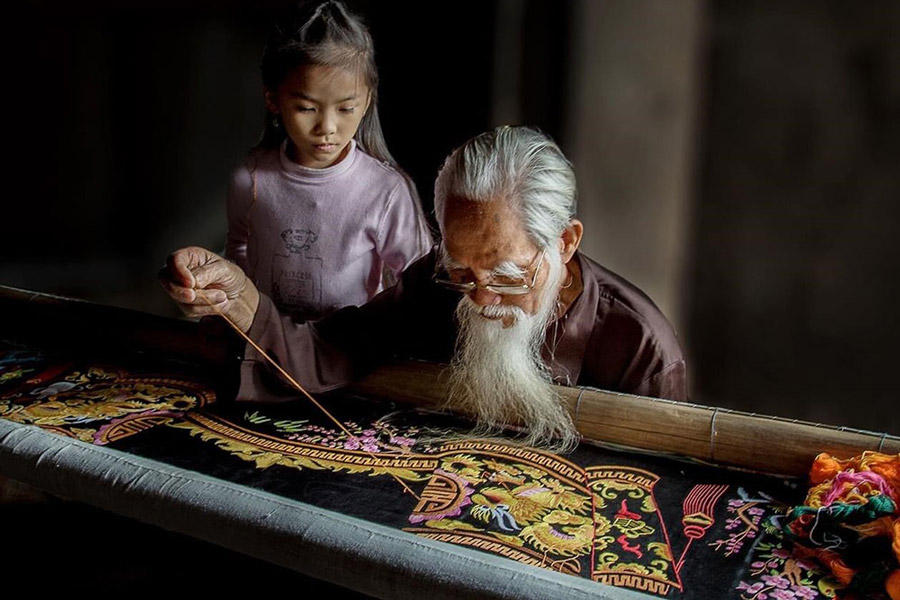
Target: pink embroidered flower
(750,588)
(778,582)
(783,595)
(403,441)
(802,591)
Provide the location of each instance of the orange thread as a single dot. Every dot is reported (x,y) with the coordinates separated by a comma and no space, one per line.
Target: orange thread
(299,387)
(892,585)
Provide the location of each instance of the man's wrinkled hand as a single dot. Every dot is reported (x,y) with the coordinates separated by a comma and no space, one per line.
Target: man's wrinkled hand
(203,283)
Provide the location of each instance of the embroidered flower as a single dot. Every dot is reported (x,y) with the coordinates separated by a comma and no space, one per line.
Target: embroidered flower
(403,441)
(775,581)
(802,591)
(754,588)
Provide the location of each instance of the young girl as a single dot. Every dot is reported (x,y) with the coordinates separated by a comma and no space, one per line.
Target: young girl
(320,213)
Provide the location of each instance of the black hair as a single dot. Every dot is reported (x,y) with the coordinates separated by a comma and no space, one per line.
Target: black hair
(323,34)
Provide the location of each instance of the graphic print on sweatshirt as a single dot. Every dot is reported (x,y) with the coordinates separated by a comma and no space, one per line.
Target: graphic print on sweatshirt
(297,275)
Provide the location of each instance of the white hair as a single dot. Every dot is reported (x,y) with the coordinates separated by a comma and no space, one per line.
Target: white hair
(519,165)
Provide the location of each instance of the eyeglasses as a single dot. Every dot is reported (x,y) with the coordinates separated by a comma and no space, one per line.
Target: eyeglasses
(442,278)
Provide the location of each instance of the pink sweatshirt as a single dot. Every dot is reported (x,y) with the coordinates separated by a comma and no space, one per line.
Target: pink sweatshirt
(315,240)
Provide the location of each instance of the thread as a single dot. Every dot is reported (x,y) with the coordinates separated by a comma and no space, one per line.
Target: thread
(294,382)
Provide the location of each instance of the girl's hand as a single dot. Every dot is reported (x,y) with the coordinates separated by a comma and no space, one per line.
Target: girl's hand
(203,283)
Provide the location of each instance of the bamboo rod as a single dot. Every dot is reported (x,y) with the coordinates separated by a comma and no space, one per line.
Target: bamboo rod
(757,442)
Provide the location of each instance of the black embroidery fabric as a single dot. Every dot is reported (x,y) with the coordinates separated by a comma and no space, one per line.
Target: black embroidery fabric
(669,527)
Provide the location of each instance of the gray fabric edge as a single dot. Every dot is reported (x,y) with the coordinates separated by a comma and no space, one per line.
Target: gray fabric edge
(367,557)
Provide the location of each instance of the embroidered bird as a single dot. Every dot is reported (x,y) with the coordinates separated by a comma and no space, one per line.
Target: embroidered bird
(511,510)
(499,513)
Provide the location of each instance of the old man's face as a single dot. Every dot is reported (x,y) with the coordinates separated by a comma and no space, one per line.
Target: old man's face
(498,373)
(485,243)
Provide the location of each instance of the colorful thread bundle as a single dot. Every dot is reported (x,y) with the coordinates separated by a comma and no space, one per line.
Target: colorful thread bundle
(851,522)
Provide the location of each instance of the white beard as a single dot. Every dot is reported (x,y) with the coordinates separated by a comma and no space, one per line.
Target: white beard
(499,376)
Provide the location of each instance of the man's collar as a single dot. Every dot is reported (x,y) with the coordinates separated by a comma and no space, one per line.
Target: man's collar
(568,336)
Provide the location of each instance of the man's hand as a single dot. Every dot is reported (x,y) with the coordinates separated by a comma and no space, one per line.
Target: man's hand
(203,283)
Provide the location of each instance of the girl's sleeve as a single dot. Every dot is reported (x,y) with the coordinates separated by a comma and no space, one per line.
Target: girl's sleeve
(238,204)
(406,320)
(403,234)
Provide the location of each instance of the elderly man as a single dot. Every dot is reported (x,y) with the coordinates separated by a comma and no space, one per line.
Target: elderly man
(506,299)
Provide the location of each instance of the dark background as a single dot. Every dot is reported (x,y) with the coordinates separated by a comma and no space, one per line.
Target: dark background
(124,120)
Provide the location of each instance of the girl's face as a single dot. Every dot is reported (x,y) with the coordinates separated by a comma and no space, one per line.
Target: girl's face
(320,109)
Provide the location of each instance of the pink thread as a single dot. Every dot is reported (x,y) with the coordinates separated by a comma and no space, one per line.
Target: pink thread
(854,479)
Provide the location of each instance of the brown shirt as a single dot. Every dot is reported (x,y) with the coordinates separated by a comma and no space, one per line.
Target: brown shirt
(612,337)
